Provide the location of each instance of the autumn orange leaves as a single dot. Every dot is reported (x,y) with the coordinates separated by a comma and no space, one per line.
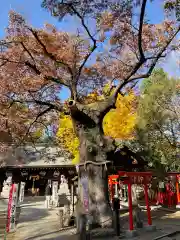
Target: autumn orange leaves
(35,65)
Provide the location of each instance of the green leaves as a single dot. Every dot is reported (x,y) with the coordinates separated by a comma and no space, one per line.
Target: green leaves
(173,6)
(158,125)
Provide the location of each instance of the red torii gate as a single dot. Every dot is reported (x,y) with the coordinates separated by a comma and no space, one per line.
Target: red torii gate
(144,178)
(130,178)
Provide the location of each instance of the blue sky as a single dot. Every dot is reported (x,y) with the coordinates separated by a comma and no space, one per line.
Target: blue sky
(35,15)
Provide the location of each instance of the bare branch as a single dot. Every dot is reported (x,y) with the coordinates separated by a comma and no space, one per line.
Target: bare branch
(37,117)
(94,46)
(38,102)
(83,23)
(51,105)
(130,77)
(134,84)
(143,7)
(164,135)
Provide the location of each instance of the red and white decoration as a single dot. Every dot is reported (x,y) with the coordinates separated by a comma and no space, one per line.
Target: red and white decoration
(12,203)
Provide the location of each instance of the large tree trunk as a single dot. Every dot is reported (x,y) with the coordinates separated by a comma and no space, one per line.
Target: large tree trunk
(99,206)
(94,151)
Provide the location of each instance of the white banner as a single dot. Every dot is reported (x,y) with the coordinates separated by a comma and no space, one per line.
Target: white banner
(85,186)
(12,203)
(21,195)
(55,191)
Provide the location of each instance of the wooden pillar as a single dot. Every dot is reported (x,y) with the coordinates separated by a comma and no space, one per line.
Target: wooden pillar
(111,189)
(72,194)
(177,190)
(147,203)
(131,227)
(61,222)
(116,188)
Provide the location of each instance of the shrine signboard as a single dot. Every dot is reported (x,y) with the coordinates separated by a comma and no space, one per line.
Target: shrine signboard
(140,179)
(135,177)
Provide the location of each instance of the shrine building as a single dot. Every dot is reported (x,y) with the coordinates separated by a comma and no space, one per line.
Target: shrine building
(35,165)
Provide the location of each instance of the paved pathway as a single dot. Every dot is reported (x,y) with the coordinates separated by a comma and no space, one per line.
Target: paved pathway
(165,222)
(38,223)
(3,203)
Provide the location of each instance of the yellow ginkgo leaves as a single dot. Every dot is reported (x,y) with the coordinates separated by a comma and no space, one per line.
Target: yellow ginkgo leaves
(119,123)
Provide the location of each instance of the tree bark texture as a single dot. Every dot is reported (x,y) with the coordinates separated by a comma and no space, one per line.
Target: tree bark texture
(99,207)
(94,151)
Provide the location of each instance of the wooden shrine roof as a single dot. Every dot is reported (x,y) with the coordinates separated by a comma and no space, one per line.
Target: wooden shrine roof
(39,156)
(125,159)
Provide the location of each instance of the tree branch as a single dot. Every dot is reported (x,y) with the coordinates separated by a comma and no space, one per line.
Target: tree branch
(36,70)
(37,117)
(127,79)
(50,78)
(38,102)
(56,80)
(110,102)
(94,46)
(50,55)
(33,67)
(164,135)
(25,48)
(130,77)
(143,7)
(49,104)
(8,60)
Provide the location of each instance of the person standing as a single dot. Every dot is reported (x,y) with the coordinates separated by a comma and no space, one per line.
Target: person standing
(48,194)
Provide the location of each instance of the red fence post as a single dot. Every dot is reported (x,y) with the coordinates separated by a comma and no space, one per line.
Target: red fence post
(111,190)
(177,189)
(147,203)
(131,227)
